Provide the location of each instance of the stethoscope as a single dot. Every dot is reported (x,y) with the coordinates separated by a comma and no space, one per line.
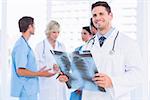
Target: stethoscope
(112,51)
(26,42)
(44,53)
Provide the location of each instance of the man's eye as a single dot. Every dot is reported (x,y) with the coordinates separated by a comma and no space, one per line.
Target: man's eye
(84,33)
(94,15)
(101,14)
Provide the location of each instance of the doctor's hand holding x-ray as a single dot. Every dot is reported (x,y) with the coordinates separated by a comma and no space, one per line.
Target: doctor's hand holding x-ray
(102,80)
(118,59)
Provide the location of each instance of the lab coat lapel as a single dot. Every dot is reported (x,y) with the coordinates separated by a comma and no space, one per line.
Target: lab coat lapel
(101,54)
(109,42)
(48,45)
(48,55)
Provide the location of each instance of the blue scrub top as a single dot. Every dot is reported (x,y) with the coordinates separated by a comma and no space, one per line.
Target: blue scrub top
(23,57)
(78,48)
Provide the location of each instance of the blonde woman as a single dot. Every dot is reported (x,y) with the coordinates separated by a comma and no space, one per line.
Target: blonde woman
(51,88)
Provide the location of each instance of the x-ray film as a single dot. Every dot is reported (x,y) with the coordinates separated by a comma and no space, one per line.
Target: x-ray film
(79,67)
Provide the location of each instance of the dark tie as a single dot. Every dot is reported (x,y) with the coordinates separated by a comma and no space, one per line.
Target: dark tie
(101,40)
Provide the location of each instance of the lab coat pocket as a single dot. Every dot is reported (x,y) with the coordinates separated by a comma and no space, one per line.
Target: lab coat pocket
(115,64)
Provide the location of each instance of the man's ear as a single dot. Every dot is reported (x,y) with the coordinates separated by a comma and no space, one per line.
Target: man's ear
(111,15)
(30,26)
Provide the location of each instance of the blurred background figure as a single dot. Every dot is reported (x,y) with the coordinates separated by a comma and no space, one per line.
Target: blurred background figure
(92,27)
(85,35)
(24,75)
(50,88)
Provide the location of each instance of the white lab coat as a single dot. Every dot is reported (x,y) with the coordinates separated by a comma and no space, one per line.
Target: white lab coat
(50,88)
(124,66)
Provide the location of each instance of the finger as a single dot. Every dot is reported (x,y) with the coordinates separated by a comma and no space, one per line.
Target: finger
(100,83)
(49,74)
(48,69)
(42,68)
(52,74)
(97,75)
(98,78)
(55,65)
(56,69)
(63,78)
(102,74)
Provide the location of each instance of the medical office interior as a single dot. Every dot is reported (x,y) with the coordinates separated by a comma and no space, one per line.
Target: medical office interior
(130,16)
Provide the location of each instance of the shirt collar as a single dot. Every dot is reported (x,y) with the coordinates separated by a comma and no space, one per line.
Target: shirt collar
(107,34)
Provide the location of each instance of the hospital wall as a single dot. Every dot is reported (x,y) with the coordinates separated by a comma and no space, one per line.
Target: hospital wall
(9,34)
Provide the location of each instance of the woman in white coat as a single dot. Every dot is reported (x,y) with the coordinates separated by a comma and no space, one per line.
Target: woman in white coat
(118,59)
(50,88)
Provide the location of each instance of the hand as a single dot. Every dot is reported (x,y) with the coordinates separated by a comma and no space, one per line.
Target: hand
(102,80)
(63,78)
(43,72)
(56,68)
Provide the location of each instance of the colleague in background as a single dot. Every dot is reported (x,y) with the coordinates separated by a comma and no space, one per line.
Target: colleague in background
(24,78)
(86,35)
(117,57)
(92,27)
(51,88)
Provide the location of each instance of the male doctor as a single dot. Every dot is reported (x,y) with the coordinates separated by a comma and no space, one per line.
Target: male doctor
(117,58)
(24,78)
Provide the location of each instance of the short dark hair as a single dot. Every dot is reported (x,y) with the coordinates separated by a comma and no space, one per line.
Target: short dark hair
(24,23)
(92,24)
(87,28)
(101,3)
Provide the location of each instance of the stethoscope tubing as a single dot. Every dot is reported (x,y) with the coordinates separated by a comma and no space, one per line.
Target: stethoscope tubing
(43,52)
(26,41)
(114,42)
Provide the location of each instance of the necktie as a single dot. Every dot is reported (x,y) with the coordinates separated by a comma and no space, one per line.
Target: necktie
(101,40)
